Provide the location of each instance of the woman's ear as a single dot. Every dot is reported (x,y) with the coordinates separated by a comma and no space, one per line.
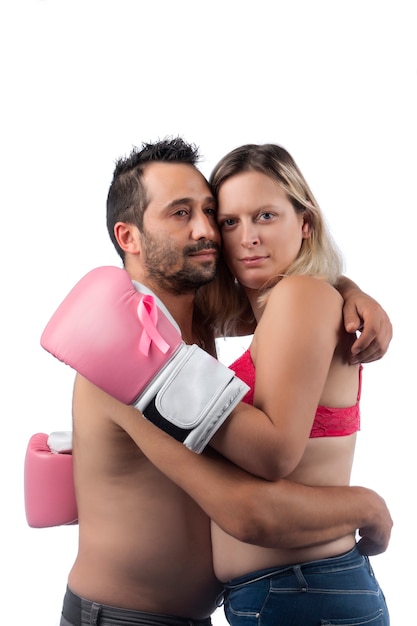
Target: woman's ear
(306,230)
(127,236)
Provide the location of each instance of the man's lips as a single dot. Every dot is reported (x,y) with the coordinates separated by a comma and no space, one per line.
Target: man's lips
(210,252)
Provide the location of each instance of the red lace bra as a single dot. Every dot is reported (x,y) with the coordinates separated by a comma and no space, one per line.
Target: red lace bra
(328,421)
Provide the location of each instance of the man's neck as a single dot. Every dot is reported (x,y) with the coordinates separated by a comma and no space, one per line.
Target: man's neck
(181,306)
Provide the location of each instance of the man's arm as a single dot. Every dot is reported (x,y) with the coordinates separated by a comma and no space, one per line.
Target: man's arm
(280,514)
(271,514)
(363,313)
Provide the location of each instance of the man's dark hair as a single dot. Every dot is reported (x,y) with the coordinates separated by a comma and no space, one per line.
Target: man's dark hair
(126,200)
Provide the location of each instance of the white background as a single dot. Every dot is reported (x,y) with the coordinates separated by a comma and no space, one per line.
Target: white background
(83,81)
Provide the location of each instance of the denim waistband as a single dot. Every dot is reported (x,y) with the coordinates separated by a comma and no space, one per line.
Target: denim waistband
(352,557)
(74,605)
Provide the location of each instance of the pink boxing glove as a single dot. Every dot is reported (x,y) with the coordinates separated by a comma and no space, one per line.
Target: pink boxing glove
(121,337)
(112,334)
(48,481)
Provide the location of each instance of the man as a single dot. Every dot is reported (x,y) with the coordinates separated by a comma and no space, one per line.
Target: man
(144,552)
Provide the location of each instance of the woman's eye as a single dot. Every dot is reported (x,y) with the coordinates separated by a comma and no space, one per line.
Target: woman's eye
(266,216)
(228,222)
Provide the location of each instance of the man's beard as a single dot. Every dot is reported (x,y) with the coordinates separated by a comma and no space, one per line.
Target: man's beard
(174,270)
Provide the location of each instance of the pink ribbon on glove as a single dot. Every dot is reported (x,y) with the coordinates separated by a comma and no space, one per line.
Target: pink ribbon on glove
(148,316)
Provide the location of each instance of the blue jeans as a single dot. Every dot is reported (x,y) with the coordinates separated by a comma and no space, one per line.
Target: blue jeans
(338,591)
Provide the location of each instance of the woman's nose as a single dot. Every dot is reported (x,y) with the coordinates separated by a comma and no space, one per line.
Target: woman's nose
(249,238)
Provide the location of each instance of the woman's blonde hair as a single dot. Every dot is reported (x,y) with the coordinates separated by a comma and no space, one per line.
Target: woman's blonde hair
(224,301)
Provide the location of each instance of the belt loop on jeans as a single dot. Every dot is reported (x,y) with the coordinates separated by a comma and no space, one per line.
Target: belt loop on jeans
(300,577)
(94,614)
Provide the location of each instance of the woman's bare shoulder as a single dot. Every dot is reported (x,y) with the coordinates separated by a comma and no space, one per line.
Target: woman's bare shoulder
(304,288)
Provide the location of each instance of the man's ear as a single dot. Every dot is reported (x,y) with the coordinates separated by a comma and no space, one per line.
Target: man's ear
(127,236)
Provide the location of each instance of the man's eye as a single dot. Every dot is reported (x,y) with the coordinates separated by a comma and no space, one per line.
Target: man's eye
(211,211)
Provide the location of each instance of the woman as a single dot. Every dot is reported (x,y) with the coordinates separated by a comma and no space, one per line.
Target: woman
(282,266)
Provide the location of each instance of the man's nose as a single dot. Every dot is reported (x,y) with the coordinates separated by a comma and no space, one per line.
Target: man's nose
(204,227)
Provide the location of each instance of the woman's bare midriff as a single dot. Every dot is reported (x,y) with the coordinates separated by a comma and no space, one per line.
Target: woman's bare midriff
(327,461)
